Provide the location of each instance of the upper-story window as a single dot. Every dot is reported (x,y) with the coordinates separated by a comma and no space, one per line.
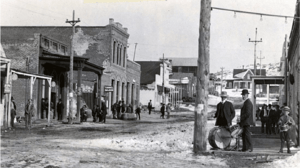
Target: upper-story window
(54,46)
(63,49)
(46,43)
(248,76)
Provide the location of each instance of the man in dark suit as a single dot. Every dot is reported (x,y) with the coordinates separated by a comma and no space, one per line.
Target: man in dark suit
(60,107)
(225,111)
(245,119)
(103,110)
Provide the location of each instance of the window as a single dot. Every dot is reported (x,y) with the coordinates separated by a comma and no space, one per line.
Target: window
(248,76)
(54,46)
(63,49)
(124,55)
(114,52)
(179,69)
(46,43)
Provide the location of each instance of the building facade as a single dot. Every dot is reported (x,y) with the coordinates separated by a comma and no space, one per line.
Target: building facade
(100,61)
(292,75)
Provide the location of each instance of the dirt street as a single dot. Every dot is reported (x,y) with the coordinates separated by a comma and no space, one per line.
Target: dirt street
(150,142)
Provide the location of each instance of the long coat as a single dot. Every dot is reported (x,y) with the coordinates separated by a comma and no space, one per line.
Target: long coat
(246,113)
(229,112)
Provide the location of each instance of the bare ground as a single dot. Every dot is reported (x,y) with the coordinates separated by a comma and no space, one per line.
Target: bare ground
(151,142)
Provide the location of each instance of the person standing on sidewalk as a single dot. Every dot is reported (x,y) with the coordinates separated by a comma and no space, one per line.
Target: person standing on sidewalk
(246,115)
(150,107)
(285,122)
(168,109)
(225,112)
(29,112)
(162,110)
(103,110)
(60,109)
(13,113)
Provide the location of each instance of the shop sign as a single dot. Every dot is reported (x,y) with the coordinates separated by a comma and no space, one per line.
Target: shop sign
(108,89)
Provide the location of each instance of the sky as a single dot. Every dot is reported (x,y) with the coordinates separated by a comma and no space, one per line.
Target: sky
(171,27)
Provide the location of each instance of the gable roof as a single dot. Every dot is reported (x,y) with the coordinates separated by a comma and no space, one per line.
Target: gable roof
(184,61)
(242,74)
(238,71)
(148,71)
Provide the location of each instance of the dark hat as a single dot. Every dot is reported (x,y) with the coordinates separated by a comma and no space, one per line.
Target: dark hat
(286,108)
(12,98)
(224,94)
(244,91)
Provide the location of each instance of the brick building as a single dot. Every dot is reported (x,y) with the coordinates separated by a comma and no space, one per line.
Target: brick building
(46,50)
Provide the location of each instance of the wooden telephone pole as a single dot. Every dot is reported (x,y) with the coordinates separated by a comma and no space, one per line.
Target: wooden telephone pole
(255,43)
(260,58)
(200,137)
(73,23)
(222,68)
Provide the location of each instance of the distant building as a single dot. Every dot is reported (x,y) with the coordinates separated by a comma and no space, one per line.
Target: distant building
(241,78)
(151,83)
(184,73)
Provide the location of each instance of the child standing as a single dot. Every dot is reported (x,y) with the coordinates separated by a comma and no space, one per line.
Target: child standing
(285,122)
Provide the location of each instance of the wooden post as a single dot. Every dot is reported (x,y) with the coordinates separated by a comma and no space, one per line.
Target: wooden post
(49,101)
(202,78)
(79,91)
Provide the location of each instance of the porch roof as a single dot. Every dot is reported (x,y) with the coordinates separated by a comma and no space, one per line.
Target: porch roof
(268,79)
(64,62)
(22,74)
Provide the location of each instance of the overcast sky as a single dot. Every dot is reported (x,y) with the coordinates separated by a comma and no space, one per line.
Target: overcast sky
(170,27)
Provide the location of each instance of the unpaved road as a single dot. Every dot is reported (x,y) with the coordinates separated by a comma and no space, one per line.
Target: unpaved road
(151,142)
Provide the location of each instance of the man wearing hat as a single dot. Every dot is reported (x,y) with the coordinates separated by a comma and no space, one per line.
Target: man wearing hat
(13,112)
(225,111)
(245,119)
(285,122)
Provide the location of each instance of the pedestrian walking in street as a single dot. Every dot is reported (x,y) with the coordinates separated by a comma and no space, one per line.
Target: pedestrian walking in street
(13,112)
(60,109)
(269,120)
(285,122)
(103,110)
(246,115)
(29,112)
(150,107)
(83,114)
(168,109)
(225,112)
(138,112)
(97,113)
(162,110)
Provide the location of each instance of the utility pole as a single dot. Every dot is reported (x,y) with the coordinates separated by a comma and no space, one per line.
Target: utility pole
(260,58)
(221,78)
(285,71)
(200,137)
(73,23)
(134,51)
(163,80)
(255,42)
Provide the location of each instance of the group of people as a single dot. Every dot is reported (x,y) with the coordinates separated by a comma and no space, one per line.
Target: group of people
(120,107)
(270,116)
(225,113)
(99,114)
(164,109)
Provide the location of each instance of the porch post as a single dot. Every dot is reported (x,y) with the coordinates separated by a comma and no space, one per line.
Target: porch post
(99,89)
(79,91)
(49,101)
(254,101)
(268,93)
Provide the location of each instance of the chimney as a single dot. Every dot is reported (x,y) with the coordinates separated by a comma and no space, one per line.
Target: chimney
(111,21)
(243,66)
(125,29)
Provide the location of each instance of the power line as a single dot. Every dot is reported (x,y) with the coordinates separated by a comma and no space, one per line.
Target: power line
(255,13)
